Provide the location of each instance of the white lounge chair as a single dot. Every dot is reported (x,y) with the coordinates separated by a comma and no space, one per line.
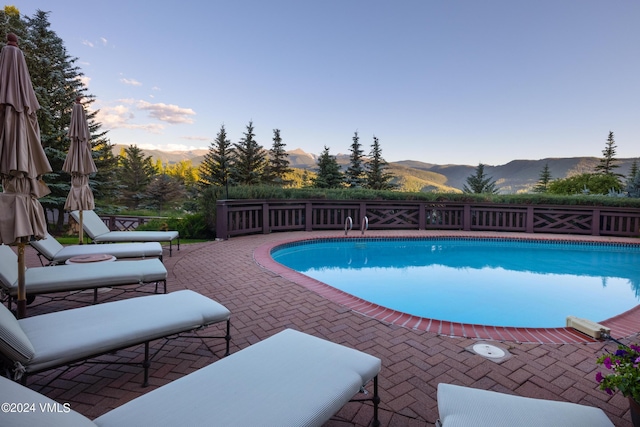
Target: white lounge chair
(289,379)
(470,407)
(51,250)
(98,232)
(46,341)
(77,277)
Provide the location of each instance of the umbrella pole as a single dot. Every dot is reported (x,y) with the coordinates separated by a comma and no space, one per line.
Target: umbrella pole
(81,233)
(22,289)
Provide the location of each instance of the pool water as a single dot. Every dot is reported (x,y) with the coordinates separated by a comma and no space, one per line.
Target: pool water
(497,282)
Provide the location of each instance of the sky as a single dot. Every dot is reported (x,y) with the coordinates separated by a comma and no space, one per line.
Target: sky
(443,82)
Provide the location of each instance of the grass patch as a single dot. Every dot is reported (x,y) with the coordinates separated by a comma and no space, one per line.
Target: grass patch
(73,240)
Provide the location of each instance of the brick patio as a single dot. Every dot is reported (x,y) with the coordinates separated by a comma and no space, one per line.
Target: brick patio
(263,302)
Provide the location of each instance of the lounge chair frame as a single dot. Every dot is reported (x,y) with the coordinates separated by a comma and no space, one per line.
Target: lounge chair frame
(145,363)
(290,378)
(98,232)
(54,253)
(77,277)
(177,307)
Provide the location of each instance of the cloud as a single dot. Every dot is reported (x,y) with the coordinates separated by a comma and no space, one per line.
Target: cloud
(167,112)
(121,117)
(196,138)
(103,41)
(132,82)
(85,80)
(170,147)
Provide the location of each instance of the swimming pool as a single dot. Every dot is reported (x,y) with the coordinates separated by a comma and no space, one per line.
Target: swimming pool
(500,282)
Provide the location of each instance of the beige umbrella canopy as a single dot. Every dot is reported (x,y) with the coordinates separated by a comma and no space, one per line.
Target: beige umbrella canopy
(79,164)
(22,160)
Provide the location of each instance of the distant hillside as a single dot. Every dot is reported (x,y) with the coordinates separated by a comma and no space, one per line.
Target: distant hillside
(412,175)
(519,175)
(170,157)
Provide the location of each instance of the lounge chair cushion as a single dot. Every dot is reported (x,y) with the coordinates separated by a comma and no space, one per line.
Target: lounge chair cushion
(51,249)
(40,280)
(469,407)
(289,379)
(62,337)
(99,232)
(13,341)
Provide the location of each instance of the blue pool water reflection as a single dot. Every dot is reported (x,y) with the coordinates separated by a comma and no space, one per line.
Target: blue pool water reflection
(483,281)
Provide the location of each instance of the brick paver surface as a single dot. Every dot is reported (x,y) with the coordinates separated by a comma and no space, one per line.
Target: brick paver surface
(263,303)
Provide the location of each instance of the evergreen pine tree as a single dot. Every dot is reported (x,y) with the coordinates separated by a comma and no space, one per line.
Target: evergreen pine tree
(633,180)
(162,193)
(355,174)
(249,161)
(543,181)
(632,172)
(278,164)
(12,22)
(480,183)
(306,179)
(377,177)
(135,172)
(329,174)
(215,169)
(104,183)
(56,81)
(608,161)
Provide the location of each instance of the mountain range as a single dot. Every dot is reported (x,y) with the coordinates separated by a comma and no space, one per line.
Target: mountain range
(412,175)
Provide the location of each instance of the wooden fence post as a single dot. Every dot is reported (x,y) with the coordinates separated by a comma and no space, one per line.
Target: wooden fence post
(222,216)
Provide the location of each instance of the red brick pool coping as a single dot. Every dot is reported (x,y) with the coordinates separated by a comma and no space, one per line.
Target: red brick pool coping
(622,325)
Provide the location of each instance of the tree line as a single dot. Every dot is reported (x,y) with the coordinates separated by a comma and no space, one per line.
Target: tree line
(602,180)
(130,180)
(249,163)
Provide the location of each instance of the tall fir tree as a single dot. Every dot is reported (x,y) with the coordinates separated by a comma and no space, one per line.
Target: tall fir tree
(278,163)
(250,159)
(377,176)
(11,22)
(162,193)
(57,81)
(104,183)
(355,176)
(633,180)
(542,186)
(329,174)
(608,162)
(135,172)
(215,168)
(479,183)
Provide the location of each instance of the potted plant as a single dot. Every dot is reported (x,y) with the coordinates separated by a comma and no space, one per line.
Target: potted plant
(623,375)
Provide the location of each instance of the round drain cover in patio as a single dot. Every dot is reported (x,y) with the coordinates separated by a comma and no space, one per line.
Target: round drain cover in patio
(488,350)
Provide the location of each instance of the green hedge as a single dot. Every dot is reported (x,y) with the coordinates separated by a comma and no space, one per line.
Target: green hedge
(210,196)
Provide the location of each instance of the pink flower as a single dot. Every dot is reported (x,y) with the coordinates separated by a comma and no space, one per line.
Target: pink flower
(607,362)
(599,377)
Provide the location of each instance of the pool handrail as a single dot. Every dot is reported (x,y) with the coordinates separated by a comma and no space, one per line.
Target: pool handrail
(348,225)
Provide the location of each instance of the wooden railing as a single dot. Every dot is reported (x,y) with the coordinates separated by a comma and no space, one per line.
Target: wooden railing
(240,217)
(126,222)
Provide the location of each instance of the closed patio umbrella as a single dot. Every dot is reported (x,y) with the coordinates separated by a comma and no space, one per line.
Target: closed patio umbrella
(79,164)
(22,160)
